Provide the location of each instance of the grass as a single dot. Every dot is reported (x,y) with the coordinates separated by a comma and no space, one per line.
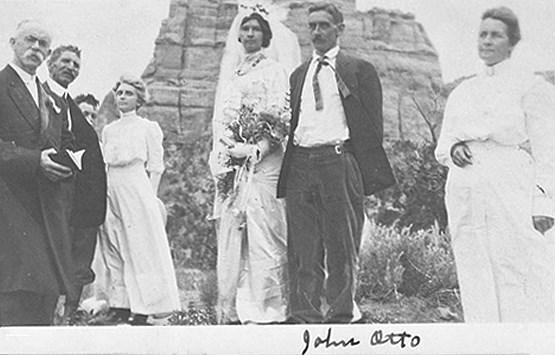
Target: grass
(404,277)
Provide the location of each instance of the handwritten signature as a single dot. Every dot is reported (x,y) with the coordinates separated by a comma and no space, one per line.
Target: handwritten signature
(378,337)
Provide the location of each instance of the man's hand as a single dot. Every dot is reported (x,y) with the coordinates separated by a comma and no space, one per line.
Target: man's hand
(461,155)
(52,170)
(542,223)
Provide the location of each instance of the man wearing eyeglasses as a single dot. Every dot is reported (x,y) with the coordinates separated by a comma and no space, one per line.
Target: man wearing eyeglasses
(334,157)
(35,190)
(89,202)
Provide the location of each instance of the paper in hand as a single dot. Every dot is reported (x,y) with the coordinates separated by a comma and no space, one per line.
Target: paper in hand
(76,157)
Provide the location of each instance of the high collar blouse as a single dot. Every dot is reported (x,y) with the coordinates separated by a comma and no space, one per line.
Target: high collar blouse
(508,106)
(133,140)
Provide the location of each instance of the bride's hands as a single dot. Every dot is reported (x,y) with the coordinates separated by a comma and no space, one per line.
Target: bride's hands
(242,150)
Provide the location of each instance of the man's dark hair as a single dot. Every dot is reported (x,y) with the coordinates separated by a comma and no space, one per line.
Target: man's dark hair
(508,17)
(87,98)
(264,25)
(330,9)
(56,53)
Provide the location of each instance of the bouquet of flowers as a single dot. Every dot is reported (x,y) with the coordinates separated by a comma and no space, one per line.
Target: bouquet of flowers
(250,126)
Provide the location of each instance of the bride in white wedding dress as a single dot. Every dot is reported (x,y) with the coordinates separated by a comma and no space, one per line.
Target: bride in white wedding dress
(251,227)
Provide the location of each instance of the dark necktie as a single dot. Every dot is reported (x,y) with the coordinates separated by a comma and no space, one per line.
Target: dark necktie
(42,107)
(64,101)
(343,89)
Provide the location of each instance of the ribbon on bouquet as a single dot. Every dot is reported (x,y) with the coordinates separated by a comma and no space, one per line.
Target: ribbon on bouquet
(242,185)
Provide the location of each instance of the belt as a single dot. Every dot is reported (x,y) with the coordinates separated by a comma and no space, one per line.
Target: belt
(325,149)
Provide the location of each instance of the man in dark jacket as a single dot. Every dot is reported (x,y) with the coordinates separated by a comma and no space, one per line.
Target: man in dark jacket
(89,202)
(35,191)
(334,157)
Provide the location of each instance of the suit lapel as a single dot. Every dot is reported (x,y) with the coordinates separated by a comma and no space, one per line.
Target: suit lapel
(298,89)
(296,92)
(345,71)
(23,100)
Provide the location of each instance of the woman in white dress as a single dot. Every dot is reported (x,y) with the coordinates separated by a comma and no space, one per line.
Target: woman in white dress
(133,254)
(252,252)
(498,141)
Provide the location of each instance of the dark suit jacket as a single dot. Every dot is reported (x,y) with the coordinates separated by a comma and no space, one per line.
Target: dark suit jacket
(363,109)
(89,207)
(35,250)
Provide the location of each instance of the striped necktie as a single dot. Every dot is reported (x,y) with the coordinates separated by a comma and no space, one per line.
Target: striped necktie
(316,85)
(44,114)
(341,86)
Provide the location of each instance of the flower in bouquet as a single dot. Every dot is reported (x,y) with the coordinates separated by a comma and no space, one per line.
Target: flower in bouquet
(250,126)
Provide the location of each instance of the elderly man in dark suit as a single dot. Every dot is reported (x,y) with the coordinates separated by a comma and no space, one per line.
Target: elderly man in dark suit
(35,191)
(334,157)
(89,202)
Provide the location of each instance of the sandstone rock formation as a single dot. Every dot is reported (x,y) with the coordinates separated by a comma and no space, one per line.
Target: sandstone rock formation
(183,72)
(402,53)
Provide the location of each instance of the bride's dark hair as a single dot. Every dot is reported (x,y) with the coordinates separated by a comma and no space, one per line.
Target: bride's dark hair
(264,25)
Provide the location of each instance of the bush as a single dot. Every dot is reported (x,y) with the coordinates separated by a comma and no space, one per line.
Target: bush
(417,201)
(187,190)
(395,261)
(209,290)
(194,315)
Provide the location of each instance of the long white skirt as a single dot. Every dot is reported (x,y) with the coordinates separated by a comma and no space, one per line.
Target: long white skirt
(503,264)
(133,261)
(252,258)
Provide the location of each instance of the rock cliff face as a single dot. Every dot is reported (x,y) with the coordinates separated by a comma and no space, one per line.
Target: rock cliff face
(183,72)
(401,51)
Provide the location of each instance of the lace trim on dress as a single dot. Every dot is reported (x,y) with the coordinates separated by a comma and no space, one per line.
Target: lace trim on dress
(250,62)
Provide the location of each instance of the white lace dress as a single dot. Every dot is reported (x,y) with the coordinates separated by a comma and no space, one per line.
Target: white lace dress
(504,265)
(252,258)
(133,260)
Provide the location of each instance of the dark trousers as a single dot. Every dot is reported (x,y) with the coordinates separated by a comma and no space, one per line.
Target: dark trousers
(83,245)
(324,203)
(24,308)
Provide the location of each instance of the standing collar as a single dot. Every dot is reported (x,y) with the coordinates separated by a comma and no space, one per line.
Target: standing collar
(129,114)
(25,77)
(56,88)
(330,54)
(497,69)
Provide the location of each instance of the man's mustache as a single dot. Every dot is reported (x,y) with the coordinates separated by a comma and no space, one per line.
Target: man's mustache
(38,55)
(70,72)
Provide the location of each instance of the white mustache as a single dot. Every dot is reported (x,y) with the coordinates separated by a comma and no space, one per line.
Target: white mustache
(40,56)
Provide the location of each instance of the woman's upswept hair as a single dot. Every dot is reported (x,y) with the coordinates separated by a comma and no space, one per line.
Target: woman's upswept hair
(136,83)
(264,25)
(508,17)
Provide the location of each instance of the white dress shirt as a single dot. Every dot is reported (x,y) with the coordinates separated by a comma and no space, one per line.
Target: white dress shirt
(510,107)
(329,125)
(30,82)
(61,92)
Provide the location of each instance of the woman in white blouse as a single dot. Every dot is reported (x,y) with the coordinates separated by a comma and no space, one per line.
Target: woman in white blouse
(133,258)
(498,141)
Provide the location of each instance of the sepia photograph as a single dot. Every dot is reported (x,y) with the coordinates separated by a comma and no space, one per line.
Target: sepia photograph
(277,177)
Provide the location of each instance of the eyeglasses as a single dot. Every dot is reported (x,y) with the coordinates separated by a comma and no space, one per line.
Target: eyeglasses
(43,43)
